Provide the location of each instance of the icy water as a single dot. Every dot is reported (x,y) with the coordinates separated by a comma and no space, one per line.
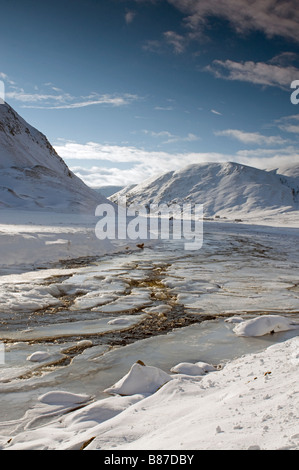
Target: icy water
(159,304)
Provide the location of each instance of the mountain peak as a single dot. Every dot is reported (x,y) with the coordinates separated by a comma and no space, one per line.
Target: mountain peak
(224,189)
(23,146)
(32,175)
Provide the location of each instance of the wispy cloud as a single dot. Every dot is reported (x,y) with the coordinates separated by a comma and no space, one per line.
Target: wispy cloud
(251,138)
(216,112)
(258,73)
(171,138)
(289,124)
(130,16)
(51,97)
(83,102)
(176,41)
(169,40)
(164,108)
(272,17)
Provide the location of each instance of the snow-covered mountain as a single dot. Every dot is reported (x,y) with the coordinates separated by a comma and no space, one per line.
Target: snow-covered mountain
(225,189)
(289,170)
(33,176)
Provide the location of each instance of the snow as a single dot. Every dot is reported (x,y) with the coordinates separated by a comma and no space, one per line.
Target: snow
(230,191)
(264,325)
(30,239)
(39,356)
(62,398)
(220,408)
(250,403)
(224,383)
(199,368)
(33,177)
(140,379)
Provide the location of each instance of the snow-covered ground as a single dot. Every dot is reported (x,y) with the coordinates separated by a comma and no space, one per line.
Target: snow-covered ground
(126,345)
(251,403)
(35,239)
(73,333)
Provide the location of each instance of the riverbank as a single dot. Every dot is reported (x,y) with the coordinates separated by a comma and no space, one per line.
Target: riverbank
(252,403)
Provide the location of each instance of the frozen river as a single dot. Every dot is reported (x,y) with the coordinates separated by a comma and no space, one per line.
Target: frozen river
(91,321)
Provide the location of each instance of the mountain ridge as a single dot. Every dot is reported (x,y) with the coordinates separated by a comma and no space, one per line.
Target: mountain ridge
(33,176)
(223,189)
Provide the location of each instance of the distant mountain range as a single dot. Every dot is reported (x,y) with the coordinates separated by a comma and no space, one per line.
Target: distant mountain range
(33,176)
(224,189)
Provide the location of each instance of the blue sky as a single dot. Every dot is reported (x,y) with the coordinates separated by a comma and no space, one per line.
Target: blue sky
(128,89)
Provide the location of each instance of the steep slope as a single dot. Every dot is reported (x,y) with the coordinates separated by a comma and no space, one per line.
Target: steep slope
(33,176)
(289,170)
(223,188)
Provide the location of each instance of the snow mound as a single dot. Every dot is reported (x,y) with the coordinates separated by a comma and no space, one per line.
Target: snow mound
(63,398)
(264,325)
(39,356)
(140,379)
(188,368)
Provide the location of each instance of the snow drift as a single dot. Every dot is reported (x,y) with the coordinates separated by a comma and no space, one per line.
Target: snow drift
(140,379)
(265,325)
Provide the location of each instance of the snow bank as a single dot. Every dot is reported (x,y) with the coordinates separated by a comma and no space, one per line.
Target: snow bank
(264,325)
(140,379)
(249,404)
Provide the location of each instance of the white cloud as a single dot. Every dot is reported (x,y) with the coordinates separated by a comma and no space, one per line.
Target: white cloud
(142,164)
(289,124)
(83,102)
(252,138)
(5,77)
(19,94)
(172,138)
(176,41)
(272,17)
(129,16)
(164,108)
(58,99)
(216,112)
(259,73)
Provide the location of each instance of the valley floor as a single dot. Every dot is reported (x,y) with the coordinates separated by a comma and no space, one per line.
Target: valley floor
(77,313)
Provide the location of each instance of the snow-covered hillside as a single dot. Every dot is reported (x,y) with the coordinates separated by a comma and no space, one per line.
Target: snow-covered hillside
(289,170)
(225,189)
(33,176)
